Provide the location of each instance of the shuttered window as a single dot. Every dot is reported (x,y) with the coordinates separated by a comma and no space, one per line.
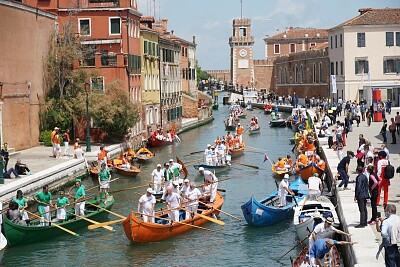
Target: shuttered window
(361,65)
(389,38)
(361,39)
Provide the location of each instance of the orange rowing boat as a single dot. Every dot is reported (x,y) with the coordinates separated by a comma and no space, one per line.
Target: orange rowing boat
(133,171)
(143,232)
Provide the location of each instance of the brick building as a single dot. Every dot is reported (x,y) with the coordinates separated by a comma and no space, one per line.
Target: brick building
(306,73)
(25,33)
(294,40)
(264,74)
(220,75)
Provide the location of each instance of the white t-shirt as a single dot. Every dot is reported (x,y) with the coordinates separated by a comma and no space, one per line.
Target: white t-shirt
(147,203)
(207,152)
(173,200)
(193,195)
(281,190)
(79,153)
(209,176)
(313,183)
(185,190)
(157,176)
(322,232)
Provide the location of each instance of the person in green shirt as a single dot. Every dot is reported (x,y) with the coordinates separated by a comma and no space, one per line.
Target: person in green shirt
(44,199)
(22,204)
(80,196)
(104,181)
(62,202)
(168,177)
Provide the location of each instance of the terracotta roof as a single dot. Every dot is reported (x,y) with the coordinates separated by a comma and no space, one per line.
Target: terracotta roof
(147,19)
(300,33)
(374,16)
(146,28)
(320,46)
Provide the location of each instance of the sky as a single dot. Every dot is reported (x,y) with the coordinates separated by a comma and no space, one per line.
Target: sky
(211,20)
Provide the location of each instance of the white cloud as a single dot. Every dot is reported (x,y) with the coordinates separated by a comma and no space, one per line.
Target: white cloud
(290,8)
(211,25)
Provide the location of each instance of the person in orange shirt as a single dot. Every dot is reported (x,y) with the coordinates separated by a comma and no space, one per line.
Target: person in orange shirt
(102,156)
(239,132)
(236,141)
(320,162)
(288,162)
(280,165)
(53,133)
(302,160)
(57,147)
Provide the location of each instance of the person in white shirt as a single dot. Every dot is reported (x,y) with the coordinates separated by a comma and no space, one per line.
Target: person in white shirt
(146,206)
(176,168)
(384,183)
(210,178)
(327,120)
(390,231)
(78,152)
(221,152)
(384,148)
(185,187)
(175,187)
(173,201)
(192,195)
(214,157)
(283,189)
(207,155)
(157,177)
(315,186)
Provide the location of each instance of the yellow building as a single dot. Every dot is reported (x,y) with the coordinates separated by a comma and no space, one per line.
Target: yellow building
(150,74)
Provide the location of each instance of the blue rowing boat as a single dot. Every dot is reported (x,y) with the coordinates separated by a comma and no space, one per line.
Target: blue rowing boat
(267,212)
(216,169)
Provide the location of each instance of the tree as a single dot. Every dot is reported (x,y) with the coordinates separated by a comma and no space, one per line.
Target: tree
(201,75)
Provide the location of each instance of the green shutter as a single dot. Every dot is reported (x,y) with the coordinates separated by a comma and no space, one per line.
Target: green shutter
(366,70)
(356,65)
(397,66)
(145,47)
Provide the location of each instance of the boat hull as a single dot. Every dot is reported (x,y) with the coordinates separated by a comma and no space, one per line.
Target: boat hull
(257,131)
(333,260)
(154,142)
(277,123)
(231,128)
(309,171)
(18,235)
(217,169)
(237,152)
(243,116)
(143,232)
(125,172)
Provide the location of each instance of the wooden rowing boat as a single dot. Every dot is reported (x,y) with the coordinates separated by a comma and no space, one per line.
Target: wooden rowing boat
(332,260)
(144,154)
(18,235)
(154,142)
(230,128)
(242,116)
(216,169)
(236,152)
(133,171)
(309,171)
(255,131)
(143,232)
(278,173)
(277,123)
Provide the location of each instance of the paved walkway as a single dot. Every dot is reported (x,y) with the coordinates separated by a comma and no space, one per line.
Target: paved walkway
(368,239)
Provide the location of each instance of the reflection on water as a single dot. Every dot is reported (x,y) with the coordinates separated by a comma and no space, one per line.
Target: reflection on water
(250,245)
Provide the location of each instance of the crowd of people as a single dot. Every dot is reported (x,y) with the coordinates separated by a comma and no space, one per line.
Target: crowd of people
(169,136)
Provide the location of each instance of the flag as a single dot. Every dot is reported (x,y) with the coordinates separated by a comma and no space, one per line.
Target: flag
(265,157)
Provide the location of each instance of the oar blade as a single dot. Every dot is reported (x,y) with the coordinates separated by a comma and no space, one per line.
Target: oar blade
(104,224)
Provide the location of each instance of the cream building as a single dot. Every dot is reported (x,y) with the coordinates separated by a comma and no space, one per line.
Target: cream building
(364,55)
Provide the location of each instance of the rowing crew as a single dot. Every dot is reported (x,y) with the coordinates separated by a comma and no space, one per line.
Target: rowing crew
(188,195)
(164,178)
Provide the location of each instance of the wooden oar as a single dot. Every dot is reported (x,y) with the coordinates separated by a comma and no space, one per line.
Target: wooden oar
(97,186)
(53,224)
(196,152)
(91,221)
(247,165)
(207,218)
(221,190)
(224,212)
(255,148)
(103,224)
(109,211)
(301,242)
(129,188)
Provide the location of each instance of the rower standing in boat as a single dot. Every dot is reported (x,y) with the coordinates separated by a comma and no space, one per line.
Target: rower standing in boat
(173,201)
(239,132)
(221,151)
(62,202)
(79,196)
(176,168)
(44,199)
(146,203)
(214,158)
(185,187)
(157,177)
(102,156)
(211,179)
(283,189)
(315,186)
(104,182)
(22,204)
(192,195)
(207,155)
(168,177)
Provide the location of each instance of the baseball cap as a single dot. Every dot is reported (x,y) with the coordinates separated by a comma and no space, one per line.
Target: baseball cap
(186,181)
(330,242)
(208,145)
(149,190)
(201,169)
(286,176)
(78,180)
(158,165)
(171,160)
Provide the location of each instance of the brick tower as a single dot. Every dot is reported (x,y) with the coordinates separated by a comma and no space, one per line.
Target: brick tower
(241,43)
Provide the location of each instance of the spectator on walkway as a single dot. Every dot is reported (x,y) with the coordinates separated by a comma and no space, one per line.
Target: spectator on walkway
(361,195)
(373,190)
(383,131)
(21,168)
(52,135)
(7,174)
(57,146)
(397,120)
(76,144)
(369,117)
(392,130)
(339,148)
(343,169)
(390,230)
(5,155)
(384,183)
(363,111)
(384,148)
(66,140)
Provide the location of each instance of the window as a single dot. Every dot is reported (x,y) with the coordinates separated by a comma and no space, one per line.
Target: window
(397,38)
(145,47)
(285,75)
(331,42)
(301,74)
(332,68)
(361,66)
(97,83)
(391,65)
(280,75)
(277,49)
(335,41)
(108,59)
(341,40)
(84,27)
(361,39)
(341,67)
(337,68)
(312,45)
(314,73)
(389,38)
(296,74)
(320,72)
(115,26)
(89,55)
(292,48)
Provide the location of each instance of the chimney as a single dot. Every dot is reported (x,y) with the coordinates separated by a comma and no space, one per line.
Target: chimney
(164,25)
(364,10)
(172,32)
(194,39)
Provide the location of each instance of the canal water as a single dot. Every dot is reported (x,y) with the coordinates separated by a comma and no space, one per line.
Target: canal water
(250,246)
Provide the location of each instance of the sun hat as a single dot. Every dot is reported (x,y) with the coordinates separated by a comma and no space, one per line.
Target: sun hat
(208,145)
(171,160)
(175,183)
(316,215)
(329,220)
(158,165)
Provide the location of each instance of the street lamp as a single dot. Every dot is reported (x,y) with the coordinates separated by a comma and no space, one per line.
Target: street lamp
(87,89)
(1,161)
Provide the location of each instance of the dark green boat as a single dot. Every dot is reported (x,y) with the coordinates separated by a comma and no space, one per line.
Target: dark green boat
(242,116)
(215,106)
(18,235)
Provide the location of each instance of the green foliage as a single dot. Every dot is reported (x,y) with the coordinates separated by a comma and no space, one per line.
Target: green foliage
(45,137)
(201,75)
